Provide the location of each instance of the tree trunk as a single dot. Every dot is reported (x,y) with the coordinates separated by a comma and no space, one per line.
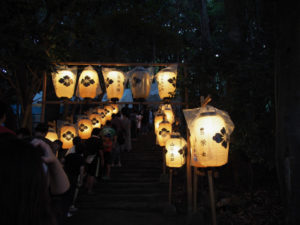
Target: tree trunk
(287,80)
(205,30)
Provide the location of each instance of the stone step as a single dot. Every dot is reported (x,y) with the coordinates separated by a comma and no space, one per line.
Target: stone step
(130,206)
(117,197)
(131,190)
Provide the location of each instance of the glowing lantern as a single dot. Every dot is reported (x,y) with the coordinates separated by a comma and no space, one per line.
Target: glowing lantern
(114,83)
(115,108)
(67,133)
(159,117)
(166,81)
(64,81)
(175,151)
(163,133)
(51,135)
(102,113)
(108,111)
(88,85)
(167,110)
(85,128)
(210,129)
(140,82)
(95,118)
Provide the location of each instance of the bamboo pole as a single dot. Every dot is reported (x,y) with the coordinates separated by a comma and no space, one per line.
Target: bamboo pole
(188,157)
(170,185)
(212,197)
(195,189)
(118,64)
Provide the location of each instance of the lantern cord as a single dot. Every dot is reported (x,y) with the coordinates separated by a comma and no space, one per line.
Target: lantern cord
(205,101)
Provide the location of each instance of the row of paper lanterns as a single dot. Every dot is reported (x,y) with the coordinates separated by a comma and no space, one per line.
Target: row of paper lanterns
(210,130)
(95,119)
(64,82)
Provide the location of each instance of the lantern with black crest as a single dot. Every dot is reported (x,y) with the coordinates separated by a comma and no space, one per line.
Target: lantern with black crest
(210,130)
(166,81)
(88,83)
(64,81)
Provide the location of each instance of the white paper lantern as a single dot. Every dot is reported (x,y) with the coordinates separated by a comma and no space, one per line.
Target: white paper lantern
(64,81)
(169,114)
(210,131)
(140,82)
(114,83)
(102,113)
(67,134)
(85,128)
(95,118)
(166,81)
(175,149)
(163,133)
(51,135)
(88,84)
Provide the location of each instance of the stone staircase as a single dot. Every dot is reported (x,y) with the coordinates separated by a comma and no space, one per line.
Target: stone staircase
(136,185)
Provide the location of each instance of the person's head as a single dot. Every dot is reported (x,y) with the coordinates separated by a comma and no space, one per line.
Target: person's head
(41,129)
(57,144)
(76,140)
(96,132)
(25,193)
(23,133)
(108,123)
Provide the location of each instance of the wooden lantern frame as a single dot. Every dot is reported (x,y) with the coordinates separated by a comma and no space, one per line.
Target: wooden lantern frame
(185,103)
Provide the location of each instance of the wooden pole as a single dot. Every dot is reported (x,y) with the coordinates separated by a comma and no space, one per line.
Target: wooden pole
(44,97)
(212,197)
(164,161)
(188,157)
(195,189)
(170,185)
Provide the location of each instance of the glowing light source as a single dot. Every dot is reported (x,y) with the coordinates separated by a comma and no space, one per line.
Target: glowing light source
(114,83)
(166,81)
(175,149)
(88,85)
(67,133)
(64,80)
(84,127)
(210,131)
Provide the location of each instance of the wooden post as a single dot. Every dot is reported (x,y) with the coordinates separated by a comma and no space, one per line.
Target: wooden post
(170,185)
(212,197)
(195,189)
(44,97)
(164,161)
(188,157)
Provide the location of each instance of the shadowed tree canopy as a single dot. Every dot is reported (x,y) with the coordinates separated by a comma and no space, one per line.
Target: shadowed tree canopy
(229,46)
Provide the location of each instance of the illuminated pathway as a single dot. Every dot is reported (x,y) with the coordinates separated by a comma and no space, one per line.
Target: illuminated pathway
(133,196)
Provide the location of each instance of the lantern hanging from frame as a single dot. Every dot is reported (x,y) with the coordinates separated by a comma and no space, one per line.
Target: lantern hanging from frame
(169,114)
(67,134)
(64,80)
(163,133)
(51,135)
(88,83)
(115,81)
(108,111)
(84,127)
(158,118)
(175,151)
(140,82)
(102,114)
(95,118)
(166,81)
(115,108)
(210,130)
